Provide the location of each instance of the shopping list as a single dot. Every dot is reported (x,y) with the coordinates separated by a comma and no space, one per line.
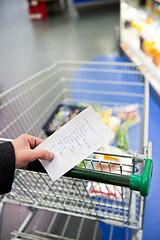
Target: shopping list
(75,141)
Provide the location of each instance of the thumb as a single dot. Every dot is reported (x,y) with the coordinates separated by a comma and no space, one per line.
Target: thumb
(42,154)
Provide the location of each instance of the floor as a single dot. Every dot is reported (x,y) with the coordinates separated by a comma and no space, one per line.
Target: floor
(30,46)
(27,47)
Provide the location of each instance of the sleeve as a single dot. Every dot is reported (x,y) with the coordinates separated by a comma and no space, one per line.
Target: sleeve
(7,167)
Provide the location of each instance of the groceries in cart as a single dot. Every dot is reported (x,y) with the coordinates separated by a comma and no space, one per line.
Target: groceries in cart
(96,189)
(119,119)
(112,121)
(128,112)
(111,164)
(129,116)
(60,116)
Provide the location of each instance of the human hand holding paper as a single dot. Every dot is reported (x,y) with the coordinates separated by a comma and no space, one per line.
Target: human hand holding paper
(73,142)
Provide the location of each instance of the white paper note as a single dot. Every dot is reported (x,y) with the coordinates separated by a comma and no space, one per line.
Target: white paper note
(74,141)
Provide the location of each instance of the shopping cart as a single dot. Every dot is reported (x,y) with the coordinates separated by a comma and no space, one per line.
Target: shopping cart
(25,108)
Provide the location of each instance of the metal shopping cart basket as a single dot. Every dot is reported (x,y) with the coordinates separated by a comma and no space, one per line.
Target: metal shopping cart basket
(24,109)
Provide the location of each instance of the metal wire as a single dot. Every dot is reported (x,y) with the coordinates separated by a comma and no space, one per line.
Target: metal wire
(26,107)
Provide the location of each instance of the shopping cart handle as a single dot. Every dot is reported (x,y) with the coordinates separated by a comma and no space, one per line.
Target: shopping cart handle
(142,182)
(135,182)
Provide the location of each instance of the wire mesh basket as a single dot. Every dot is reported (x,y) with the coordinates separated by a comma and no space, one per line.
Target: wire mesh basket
(24,109)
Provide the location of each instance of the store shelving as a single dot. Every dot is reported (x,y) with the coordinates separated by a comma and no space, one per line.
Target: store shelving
(130,41)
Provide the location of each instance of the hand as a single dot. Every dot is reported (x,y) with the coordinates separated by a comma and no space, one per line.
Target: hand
(24,150)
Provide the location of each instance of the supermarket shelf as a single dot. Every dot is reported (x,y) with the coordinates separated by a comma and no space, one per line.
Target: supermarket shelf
(130,46)
(148,70)
(150,12)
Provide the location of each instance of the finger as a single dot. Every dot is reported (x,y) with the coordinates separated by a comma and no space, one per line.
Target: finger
(41,154)
(34,141)
(38,141)
(26,156)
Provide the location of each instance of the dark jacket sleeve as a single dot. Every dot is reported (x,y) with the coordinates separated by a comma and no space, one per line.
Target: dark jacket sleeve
(7,167)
